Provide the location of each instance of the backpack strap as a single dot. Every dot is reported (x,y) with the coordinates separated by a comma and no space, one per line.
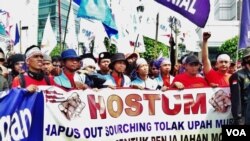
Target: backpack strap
(22,80)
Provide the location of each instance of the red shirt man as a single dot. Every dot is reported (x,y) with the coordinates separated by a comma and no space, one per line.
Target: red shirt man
(221,76)
(34,76)
(191,77)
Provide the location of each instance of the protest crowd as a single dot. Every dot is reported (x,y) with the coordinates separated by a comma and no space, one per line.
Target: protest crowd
(70,72)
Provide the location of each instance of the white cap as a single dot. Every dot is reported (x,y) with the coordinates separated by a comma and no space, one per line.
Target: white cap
(88,62)
(140,61)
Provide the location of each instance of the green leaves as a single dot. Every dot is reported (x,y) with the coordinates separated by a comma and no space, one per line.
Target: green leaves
(230,47)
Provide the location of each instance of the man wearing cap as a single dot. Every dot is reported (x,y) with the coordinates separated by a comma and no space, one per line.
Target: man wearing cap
(47,65)
(103,62)
(70,63)
(164,79)
(221,76)
(130,69)
(117,78)
(191,77)
(143,81)
(34,75)
(240,91)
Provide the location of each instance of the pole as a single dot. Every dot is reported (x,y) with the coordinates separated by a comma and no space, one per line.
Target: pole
(60,25)
(156,33)
(136,42)
(176,45)
(65,31)
(20,29)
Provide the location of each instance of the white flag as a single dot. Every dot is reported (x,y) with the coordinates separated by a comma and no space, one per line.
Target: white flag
(190,41)
(71,38)
(49,39)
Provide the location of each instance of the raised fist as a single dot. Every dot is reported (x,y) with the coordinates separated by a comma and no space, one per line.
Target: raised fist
(206,36)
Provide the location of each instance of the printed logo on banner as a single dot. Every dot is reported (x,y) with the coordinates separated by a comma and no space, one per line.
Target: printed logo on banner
(71,107)
(234,132)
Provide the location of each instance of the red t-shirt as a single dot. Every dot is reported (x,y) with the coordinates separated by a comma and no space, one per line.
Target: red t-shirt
(218,78)
(166,80)
(190,81)
(29,81)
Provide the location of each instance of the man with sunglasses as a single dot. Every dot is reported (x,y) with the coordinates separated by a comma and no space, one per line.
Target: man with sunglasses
(221,76)
(191,78)
(240,91)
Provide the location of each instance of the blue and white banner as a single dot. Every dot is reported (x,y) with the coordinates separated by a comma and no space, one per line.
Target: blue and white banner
(21,116)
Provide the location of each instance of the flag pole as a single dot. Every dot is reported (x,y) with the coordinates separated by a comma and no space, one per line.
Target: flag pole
(136,42)
(60,25)
(65,31)
(20,28)
(156,32)
(237,50)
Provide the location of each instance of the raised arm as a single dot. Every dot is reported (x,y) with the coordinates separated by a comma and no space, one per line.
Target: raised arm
(205,59)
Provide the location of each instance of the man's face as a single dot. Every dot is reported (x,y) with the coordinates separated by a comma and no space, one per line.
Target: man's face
(47,67)
(143,69)
(192,68)
(120,66)
(104,64)
(35,61)
(165,68)
(72,64)
(131,59)
(223,65)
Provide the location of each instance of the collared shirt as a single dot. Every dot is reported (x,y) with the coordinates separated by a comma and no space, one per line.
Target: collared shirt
(161,82)
(111,81)
(149,83)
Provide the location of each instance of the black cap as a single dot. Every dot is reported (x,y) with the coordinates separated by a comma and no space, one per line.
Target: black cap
(192,59)
(104,55)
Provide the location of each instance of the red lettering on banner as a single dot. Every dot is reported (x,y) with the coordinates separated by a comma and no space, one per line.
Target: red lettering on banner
(194,106)
(115,104)
(151,102)
(165,105)
(132,102)
(93,107)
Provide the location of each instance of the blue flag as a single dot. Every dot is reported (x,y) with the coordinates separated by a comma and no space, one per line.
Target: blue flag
(21,116)
(244,40)
(98,10)
(197,11)
(17,36)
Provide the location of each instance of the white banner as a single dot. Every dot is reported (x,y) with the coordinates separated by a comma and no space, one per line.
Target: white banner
(128,114)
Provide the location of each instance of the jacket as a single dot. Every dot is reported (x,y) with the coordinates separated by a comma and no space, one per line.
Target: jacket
(240,96)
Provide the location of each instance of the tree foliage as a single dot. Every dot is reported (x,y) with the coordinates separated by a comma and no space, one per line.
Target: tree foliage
(230,47)
(56,51)
(153,51)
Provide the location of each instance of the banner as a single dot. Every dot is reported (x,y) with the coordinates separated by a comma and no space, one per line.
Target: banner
(129,114)
(21,116)
(197,11)
(244,40)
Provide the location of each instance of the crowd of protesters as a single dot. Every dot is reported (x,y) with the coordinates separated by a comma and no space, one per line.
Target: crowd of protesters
(70,71)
